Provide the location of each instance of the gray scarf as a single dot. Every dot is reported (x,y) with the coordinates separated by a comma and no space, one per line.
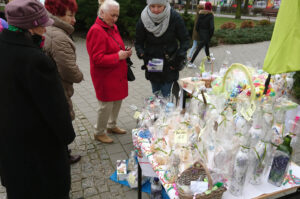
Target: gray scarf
(149,19)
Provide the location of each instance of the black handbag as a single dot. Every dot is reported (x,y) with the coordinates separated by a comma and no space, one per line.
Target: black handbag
(130,75)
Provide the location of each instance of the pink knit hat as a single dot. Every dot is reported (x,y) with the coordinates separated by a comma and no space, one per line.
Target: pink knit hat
(27,14)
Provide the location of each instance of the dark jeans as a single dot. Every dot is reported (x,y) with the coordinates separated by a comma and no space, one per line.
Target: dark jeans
(199,47)
(165,88)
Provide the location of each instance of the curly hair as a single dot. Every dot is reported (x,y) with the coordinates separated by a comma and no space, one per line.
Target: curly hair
(60,7)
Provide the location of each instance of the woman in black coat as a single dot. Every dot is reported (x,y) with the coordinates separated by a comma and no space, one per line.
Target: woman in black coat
(35,127)
(158,33)
(205,28)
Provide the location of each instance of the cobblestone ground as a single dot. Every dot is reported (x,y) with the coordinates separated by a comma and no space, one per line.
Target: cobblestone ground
(90,177)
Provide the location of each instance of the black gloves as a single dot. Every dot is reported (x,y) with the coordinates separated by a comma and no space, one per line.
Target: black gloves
(178,63)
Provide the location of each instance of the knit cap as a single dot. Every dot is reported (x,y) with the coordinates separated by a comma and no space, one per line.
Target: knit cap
(162,2)
(27,14)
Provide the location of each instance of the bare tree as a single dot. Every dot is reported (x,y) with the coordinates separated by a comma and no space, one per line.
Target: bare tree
(238,9)
(246,6)
(187,5)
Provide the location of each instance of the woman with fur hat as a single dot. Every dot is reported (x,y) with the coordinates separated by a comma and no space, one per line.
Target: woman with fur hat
(60,47)
(205,28)
(158,33)
(195,35)
(36,127)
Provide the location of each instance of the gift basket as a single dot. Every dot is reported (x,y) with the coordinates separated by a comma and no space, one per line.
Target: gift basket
(198,172)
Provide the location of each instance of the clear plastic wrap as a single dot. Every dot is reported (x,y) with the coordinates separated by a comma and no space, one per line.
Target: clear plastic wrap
(239,172)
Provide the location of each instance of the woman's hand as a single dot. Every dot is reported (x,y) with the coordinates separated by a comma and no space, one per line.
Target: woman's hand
(130,52)
(123,54)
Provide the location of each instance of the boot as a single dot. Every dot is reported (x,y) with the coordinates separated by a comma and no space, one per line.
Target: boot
(116,130)
(73,158)
(103,138)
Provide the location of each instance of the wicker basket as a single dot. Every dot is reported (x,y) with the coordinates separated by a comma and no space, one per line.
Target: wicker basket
(194,173)
(207,82)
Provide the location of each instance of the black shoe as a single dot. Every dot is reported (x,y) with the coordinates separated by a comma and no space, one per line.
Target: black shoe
(74,159)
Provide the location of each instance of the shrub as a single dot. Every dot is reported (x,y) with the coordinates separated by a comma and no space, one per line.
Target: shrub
(189,22)
(255,11)
(213,41)
(247,24)
(86,15)
(244,36)
(130,11)
(264,22)
(228,25)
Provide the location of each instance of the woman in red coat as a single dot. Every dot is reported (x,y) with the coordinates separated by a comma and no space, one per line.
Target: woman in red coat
(108,69)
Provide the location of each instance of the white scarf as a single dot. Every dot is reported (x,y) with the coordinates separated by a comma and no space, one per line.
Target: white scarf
(162,19)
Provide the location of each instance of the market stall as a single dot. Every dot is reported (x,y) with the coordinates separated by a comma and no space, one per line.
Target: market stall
(230,128)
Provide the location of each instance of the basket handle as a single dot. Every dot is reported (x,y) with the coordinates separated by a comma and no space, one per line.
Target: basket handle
(199,164)
(244,69)
(202,65)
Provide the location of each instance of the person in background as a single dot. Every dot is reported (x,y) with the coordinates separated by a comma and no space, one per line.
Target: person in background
(205,28)
(60,47)
(36,126)
(108,69)
(195,35)
(161,34)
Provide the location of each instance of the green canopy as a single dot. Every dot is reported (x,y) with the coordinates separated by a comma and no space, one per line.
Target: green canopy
(284,51)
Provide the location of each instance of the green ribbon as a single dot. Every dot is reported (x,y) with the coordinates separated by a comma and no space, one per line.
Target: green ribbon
(14,28)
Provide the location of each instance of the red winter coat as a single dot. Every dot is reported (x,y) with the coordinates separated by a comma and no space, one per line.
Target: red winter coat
(109,74)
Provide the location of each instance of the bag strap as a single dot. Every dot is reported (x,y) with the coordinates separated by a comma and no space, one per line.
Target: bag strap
(113,38)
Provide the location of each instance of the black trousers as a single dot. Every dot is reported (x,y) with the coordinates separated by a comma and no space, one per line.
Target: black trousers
(201,44)
(32,194)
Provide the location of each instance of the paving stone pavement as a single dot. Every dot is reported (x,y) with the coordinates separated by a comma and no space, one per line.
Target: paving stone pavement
(90,177)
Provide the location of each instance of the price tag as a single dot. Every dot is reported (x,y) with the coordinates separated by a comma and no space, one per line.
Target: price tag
(136,115)
(251,109)
(245,114)
(180,137)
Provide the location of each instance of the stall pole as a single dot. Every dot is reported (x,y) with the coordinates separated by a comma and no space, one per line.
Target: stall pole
(184,98)
(139,182)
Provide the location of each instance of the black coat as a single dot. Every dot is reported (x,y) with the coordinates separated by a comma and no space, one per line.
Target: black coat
(157,47)
(205,26)
(35,124)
